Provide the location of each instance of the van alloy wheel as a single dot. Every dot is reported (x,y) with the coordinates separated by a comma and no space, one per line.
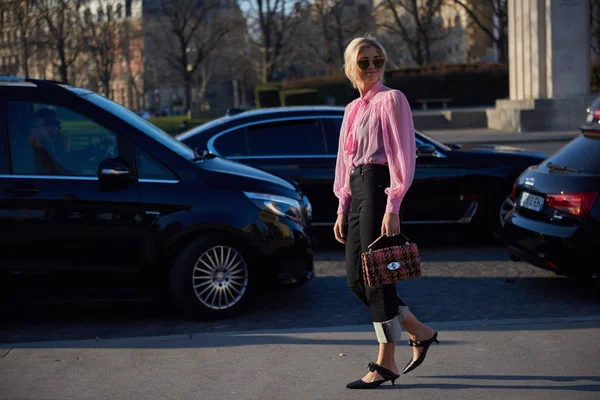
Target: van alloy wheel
(220,277)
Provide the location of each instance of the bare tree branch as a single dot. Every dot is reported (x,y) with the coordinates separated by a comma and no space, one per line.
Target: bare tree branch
(494,24)
(59,17)
(197,28)
(273,23)
(99,34)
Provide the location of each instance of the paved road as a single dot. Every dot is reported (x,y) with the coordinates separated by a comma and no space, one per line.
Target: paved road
(460,282)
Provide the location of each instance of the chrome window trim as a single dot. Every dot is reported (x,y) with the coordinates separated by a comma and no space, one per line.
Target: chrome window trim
(211,141)
(78,178)
(59,177)
(169,181)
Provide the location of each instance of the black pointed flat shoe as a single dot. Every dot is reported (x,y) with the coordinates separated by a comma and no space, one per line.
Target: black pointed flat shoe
(425,345)
(384,372)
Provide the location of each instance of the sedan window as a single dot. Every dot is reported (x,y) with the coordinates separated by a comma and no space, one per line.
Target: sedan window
(287,138)
(51,140)
(232,144)
(581,154)
(332,133)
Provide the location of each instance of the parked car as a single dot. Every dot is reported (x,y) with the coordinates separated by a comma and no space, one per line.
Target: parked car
(87,185)
(454,184)
(592,118)
(555,224)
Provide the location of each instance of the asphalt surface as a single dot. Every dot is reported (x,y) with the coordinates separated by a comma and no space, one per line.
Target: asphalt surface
(460,282)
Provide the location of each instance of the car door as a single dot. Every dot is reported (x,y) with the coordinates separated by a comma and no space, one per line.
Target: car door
(292,148)
(63,211)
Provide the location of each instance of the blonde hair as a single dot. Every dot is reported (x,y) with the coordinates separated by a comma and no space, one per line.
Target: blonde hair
(351,55)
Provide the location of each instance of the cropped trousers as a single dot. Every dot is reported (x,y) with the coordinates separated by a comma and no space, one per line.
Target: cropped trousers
(368,204)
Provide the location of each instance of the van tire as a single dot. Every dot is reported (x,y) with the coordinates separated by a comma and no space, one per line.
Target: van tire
(210,279)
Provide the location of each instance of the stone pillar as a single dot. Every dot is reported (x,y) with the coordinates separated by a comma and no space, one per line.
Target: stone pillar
(549,67)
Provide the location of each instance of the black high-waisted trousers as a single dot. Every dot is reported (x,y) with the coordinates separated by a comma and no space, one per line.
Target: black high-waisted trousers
(367,185)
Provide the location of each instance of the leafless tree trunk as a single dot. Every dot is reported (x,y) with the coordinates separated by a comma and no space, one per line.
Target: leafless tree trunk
(60,18)
(494,24)
(197,28)
(4,4)
(272,24)
(130,41)
(417,24)
(99,35)
(335,27)
(26,22)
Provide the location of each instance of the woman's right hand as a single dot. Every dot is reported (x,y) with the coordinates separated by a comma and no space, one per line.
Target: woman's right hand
(338,228)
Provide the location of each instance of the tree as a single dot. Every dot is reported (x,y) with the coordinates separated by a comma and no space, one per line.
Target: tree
(99,33)
(494,24)
(60,20)
(196,28)
(272,26)
(335,27)
(416,22)
(26,23)
(132,51)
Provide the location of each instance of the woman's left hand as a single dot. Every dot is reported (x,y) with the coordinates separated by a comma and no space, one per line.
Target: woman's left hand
(390,226)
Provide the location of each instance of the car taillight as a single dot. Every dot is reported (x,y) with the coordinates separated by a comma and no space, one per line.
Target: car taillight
(597,114)
(577,204)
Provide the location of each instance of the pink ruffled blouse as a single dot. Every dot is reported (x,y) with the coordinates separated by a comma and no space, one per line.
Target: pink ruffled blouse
(377,129)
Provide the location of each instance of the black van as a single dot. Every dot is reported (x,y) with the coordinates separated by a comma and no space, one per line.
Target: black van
(89,187)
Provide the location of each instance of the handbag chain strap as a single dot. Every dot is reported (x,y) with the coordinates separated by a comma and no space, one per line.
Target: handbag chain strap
(384,235)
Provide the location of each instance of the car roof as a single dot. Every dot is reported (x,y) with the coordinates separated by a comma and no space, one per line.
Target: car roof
(258,114)
(45,85)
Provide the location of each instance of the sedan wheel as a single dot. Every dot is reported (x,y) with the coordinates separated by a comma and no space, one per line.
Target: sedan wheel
(220,277)
(507,205)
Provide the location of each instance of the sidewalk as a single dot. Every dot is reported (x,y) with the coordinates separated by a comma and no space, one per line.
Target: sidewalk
(509,359)
(495,136)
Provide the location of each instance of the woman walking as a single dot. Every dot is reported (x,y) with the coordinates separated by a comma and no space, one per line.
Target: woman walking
(375,167)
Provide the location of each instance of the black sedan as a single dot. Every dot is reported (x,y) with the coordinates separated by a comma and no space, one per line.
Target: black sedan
(556,221)
(454,184)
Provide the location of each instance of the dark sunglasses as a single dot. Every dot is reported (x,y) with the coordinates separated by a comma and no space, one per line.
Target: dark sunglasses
(364,63)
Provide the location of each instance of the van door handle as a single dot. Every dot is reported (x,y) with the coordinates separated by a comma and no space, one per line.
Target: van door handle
(115,172)
(22,190)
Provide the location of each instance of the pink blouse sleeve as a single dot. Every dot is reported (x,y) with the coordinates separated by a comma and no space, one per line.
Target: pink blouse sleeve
(341,183)
(400,147)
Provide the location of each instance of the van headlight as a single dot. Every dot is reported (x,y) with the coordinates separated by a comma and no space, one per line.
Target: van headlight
(278,205)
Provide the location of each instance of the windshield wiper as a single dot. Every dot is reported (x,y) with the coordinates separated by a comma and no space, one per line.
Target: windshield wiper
(202,155)
(555,167)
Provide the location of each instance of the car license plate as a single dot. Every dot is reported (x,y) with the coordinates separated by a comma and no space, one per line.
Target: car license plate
(531,201)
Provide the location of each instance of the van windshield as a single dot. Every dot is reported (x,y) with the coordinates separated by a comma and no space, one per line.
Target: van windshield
(141,124)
